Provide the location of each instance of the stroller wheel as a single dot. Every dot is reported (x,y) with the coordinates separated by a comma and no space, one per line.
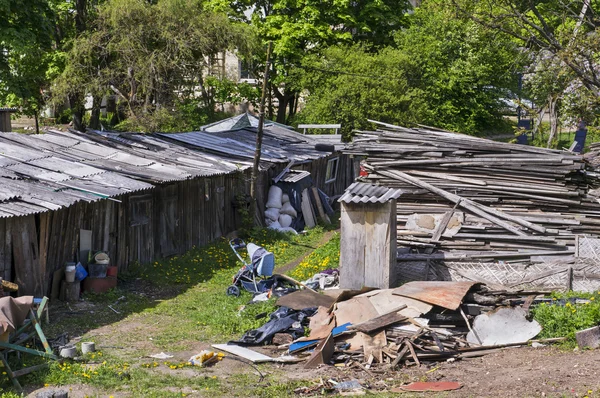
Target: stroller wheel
(233,290)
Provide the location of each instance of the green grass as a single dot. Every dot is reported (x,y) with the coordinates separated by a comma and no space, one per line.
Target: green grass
(176,303)
(324,257)
(564,321)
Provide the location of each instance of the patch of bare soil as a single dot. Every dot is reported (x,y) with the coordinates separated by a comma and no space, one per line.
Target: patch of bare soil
(515,372)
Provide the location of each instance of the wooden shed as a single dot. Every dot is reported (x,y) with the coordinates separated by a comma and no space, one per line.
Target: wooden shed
(138,197)
(5,124)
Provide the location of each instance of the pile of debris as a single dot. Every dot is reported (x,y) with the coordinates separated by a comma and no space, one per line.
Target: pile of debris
(295,203)
(475,209)
(390,328)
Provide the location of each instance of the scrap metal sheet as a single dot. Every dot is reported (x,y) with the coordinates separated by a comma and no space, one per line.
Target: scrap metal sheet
(444,294)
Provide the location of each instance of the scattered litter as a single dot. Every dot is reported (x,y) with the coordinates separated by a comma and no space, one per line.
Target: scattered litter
(378,330)
(243,352)
(282,320)
(421,386)
(160,355)
(349,385)
(204,358)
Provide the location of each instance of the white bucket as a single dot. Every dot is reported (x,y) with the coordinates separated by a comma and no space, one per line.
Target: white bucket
(70,273)
(101,258)
(88,347)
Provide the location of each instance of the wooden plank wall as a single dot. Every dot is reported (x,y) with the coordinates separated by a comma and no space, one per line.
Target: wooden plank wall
(368,245)
(345,173)
(167,220)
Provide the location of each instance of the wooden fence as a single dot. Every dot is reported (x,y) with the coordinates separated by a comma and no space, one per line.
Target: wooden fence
(166,220)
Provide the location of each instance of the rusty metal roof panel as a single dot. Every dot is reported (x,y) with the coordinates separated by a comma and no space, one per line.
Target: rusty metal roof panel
(444,294)
(360,192)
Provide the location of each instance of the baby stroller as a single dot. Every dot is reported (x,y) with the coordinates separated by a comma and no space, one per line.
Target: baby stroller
(261,264)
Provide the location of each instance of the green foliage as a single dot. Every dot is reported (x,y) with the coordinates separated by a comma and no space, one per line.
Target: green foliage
(349,85)
(154,56)
(446,71)
(464,69)
(564,321)
(26,40)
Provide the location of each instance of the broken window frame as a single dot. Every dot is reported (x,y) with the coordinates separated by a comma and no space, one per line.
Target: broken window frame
(332,169)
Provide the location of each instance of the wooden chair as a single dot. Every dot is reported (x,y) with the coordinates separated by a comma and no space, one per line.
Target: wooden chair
(31,330)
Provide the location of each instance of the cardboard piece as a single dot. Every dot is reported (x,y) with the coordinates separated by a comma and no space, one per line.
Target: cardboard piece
(302,299)
(355,310)
(322,353)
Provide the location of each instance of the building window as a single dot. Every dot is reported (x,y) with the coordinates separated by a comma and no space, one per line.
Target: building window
(140,208)
(332,169)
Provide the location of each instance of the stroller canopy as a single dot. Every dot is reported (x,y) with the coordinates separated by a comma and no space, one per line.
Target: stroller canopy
(263,262)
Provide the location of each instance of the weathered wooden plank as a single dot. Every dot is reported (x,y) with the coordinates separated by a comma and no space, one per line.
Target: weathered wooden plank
(352,246)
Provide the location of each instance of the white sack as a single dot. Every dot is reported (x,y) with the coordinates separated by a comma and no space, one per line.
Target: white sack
(285,198)
(275,195)
(285,220)
(289,210)
(275,225)
(272,214)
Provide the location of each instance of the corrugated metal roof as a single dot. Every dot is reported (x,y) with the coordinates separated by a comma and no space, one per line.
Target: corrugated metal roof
(295,176)
(360,192)
(57,169)
(4,109)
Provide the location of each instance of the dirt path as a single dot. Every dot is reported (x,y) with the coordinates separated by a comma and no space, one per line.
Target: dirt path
(293,264)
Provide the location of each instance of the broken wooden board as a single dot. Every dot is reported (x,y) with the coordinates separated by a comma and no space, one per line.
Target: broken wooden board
(444,294)
(243,352)
(322,353)
(373,345)
(301,299)
(380,322)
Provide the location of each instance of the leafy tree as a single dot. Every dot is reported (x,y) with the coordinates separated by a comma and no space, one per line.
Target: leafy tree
(466,69)
(26,38)
(445,70)
(303,27)
(565,29)
(153,56)
(349,85)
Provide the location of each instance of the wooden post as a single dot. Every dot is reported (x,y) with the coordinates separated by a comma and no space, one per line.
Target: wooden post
(368,245)
(259,133)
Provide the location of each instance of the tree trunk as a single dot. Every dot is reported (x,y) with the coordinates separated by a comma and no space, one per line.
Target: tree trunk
(78,110)
(37,123)
(553,112)
(283,99)
(95,117)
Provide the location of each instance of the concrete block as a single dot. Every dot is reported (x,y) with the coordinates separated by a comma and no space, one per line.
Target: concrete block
(588,338)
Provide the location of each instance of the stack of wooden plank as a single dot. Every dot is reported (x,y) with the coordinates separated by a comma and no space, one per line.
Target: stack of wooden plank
(468,198)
